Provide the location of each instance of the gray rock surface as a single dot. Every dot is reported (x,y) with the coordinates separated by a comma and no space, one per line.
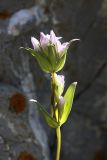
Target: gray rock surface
(16,134)
(84,136)
(21,130)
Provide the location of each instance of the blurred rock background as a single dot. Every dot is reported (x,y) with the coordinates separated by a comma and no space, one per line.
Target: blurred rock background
(23,133)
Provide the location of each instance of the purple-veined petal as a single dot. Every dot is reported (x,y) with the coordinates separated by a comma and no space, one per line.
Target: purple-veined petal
(66,44)
(48,36)
(58,45)
(52,37)
(44,40)
(63,47)
(35,43)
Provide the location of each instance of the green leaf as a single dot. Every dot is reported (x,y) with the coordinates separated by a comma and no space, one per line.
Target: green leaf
(50,121)
(68,98)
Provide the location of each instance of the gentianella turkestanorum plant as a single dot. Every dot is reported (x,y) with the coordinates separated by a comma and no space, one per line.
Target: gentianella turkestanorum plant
(51,56)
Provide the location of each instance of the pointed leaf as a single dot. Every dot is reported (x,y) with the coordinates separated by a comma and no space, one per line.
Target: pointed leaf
(68,98)
(50,121)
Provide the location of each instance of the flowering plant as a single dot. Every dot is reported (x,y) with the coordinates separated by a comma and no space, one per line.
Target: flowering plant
(51,56)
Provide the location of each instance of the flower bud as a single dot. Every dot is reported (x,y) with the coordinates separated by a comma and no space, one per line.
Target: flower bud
(59,85)
(35,43)
(60,105)
(61,102)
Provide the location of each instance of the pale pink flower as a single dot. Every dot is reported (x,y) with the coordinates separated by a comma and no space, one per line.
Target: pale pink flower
(35,43)
(46,40)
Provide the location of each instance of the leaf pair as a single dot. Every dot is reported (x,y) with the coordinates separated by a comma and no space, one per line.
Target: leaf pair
(68,98)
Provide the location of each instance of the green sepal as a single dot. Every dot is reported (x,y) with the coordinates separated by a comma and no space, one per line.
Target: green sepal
(68,98)
(48,118)
(41,59)
(49,62)
(60,63)
(52,56)
(44,63)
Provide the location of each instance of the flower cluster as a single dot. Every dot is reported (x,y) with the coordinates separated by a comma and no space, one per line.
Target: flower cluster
(49,52)
(47,40)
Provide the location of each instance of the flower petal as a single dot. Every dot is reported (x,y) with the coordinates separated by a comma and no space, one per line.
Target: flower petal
(52,37)
(58,45)
(44,40)
(64,46)
(35,43)
(48,36)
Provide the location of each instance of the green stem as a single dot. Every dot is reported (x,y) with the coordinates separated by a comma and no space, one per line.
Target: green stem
(53,94)
(58,133)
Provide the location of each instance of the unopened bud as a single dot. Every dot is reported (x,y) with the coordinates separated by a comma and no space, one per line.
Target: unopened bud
(59,86)
(60,106)
(61,102)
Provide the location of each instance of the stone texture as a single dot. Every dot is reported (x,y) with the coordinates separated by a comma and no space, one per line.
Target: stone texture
(83,137)
(23,132)
(15,132)
(20,130)
(84,134)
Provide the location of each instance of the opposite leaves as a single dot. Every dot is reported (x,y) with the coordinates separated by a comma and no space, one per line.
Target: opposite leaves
(68,99)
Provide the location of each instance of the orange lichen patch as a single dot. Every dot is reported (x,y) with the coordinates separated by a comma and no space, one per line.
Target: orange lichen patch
(17,102)
(4,14)
(25,156)
(100,155)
